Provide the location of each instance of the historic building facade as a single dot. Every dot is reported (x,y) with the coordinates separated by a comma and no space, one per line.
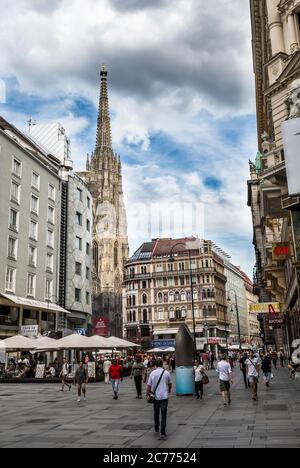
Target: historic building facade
(276,215)
(158,297)
(103,176)
(30,208)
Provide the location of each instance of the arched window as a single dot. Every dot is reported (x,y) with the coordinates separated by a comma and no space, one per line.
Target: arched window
(171,296)
(116,255)
(161,314)
(130,316)
(183,296)
(144,299)
(160,298)
(145,316)
(183,312)
(178,314)
(195,295)
(177,296)
(171,313)
(96,257)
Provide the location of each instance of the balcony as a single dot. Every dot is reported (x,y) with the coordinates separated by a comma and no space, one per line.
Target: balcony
(164,274)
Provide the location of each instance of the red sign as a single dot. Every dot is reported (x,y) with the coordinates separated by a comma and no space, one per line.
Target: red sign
(101,326)
(281,251)
(213,341)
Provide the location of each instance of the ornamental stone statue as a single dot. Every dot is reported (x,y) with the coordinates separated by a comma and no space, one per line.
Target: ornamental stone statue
(293,100)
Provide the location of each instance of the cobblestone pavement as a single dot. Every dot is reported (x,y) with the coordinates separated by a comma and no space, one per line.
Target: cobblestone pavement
(41,416)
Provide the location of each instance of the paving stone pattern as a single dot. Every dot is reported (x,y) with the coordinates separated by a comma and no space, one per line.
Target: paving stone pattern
(41,416)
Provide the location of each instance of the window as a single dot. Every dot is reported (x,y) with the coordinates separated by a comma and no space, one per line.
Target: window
(181,266)
(171,314)
(49,289)
(78,268)
(12,248)
(10,279)
(13,219)
(159,268)
(88,225)
(159,283)
(51,192)
(144,284)
(170,267)
(181,280)
(78,218)
(144,299)
(87,273)
(96,256)
(77,295)
(50,238)
(183,296)
(88,249)
(78,243)
(87,298)
(183,312)
(51,214)
(116,255)
(35,181)
(31,282)
(34,207)
(88,201)
(171,297)
(171,282)
(33,230)
(79,194)
(15,192)
(49,262)
(177,296)
(161,314)
(32,256)
(17,168)
(160,298)
(196,312)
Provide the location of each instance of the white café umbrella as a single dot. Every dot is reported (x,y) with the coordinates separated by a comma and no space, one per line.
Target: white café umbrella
(119,343)
(19,343)
(44,343)
(2,345)
(155,350)
(75,341)
(99,342)
(170,350)
(296,356)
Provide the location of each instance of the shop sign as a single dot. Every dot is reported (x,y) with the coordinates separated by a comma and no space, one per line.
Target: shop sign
(30,331)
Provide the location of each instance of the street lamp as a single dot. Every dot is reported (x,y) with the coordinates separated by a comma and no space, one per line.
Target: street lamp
(171,259)
(237,314)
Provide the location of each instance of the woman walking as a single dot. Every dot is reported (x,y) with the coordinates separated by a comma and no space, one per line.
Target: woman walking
(137,373)
(199,371)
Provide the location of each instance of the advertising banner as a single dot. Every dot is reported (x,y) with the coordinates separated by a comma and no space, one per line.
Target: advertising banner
(265,308)
(101,326)
(30,331)
(291,144)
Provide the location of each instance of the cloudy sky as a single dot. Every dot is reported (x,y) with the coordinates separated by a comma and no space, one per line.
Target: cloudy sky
(181,97)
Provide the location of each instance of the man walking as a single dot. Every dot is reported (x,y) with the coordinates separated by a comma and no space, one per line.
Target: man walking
(64,375)
(253,363)
(81,379)
(281,357)
(274,357)
(225,376)
(116,376)
(106,366)
(267,369)
(243,368)
(160,384)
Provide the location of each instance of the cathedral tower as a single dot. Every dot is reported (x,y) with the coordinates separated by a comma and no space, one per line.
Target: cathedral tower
(103,176)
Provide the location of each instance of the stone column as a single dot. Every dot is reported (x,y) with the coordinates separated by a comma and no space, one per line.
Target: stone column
(275,27)
(20,318)
(293,42)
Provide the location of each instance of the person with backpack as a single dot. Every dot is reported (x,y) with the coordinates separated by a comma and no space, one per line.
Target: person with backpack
(65,370)
(266,366)
(158,389)
(253,365)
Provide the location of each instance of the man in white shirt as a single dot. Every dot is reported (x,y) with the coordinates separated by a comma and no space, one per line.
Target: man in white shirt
(160,384)
(106,366)
(225,376)
(253,366)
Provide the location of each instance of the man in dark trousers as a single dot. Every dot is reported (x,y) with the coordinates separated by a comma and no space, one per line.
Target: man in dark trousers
(243,368)
(81,379)
(160,384)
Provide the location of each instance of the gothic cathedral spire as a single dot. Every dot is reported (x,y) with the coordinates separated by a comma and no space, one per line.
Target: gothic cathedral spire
(103,138)
(104,178)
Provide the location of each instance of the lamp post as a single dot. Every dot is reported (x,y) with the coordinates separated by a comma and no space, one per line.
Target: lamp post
(226,333)
(171,259)
(237,315)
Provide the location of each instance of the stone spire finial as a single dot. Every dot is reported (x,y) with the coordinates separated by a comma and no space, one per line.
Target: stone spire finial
(103,139)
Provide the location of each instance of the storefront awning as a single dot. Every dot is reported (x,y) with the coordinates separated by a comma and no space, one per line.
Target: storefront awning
(32,304)
(173,331)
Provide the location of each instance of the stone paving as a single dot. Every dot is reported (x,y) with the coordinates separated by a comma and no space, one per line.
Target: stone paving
(41,416)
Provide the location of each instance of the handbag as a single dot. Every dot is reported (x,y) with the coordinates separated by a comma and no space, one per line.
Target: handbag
(151,396)
(205,379)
